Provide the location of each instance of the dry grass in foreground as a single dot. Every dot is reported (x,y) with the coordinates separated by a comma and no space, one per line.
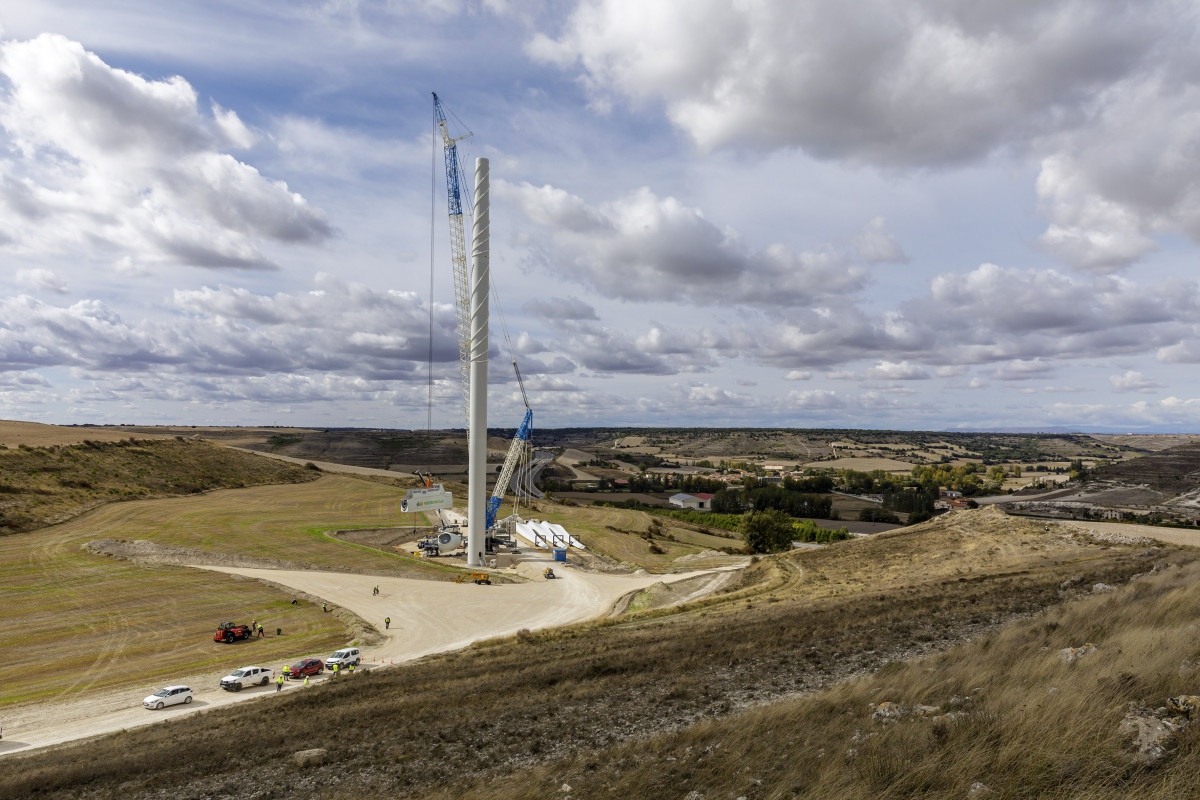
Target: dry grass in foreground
(656,705)
(1006,716)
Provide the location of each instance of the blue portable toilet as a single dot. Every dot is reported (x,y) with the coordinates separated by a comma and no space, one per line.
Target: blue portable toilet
(560,554)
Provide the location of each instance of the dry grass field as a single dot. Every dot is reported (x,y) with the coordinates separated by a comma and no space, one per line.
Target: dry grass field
(48,484)
(864,464)
(100,621)
(35,434)
(741,694)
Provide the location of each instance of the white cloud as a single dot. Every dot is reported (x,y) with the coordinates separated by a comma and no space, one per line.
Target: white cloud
(1134,381)
(103,162)
(41,279)
(1022,370)
(646,247)
(897,371)
(926,83)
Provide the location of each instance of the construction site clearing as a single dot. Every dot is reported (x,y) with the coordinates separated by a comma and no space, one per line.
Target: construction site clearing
(427,617)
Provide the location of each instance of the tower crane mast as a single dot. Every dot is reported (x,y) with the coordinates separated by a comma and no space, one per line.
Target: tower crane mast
(458,252)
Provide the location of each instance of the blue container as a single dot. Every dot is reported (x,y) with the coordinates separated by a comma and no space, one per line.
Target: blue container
(560,554)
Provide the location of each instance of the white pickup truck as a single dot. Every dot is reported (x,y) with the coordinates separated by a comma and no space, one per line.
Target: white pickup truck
(247,676)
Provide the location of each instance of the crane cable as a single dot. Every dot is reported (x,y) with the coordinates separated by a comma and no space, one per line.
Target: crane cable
(432,240)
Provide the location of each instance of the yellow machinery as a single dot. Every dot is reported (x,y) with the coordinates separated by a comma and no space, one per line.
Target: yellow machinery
(477,577)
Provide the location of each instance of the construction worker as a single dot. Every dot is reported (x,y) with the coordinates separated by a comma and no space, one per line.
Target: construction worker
(260,631)
(351,669)
(387,623)
(306,680)
(279,684)
(335,670)
(376,591)
(325,607)
(287,672)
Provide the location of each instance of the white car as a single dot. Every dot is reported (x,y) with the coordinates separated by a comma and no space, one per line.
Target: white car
(344,658)
(247,676)
(169,696)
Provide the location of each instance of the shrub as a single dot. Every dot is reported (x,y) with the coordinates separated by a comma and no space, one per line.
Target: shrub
(768,531)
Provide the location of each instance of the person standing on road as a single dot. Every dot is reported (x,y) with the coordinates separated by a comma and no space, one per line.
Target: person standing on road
(387,623)
(335,670)
(351,669)
(287,672)
(306,680)
(376,590)
(279,684)
(260,631)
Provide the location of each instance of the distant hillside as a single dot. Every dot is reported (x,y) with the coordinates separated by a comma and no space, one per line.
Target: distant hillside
(45,485)
(1170,472)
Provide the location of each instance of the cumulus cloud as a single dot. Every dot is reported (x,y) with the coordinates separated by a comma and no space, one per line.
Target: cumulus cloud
(1134,381)
(41,280)
(996,315)
(1102,92)
(927,83)
(1022,370)
(100,160)
(646,247)
(898,371)
(347,330)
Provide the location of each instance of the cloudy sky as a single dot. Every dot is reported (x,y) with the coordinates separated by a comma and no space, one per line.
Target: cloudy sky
(811,213)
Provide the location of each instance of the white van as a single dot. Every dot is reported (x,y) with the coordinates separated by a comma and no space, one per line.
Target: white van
(344,658)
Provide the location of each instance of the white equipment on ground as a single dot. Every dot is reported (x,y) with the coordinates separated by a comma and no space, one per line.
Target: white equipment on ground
(546,535)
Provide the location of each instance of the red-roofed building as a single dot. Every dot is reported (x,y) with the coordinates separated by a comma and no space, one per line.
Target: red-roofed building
(701,501)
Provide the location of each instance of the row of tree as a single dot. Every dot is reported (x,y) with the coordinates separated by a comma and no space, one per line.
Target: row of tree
(773,531)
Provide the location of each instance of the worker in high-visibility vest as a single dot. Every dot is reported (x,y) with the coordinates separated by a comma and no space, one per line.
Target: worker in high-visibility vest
(287,672)
(279,684)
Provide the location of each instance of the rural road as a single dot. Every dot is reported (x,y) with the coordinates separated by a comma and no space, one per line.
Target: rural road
(427,617)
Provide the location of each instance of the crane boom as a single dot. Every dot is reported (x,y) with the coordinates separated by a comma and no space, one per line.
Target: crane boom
(458,253)
(518,448)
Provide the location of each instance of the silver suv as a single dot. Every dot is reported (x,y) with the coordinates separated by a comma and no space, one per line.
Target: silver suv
(344,658)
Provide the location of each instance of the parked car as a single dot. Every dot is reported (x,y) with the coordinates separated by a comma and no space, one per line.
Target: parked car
(247,676)
(169,696)
(307,666)
(344,658)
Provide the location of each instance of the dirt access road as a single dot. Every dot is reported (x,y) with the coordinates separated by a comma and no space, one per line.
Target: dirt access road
(427,617)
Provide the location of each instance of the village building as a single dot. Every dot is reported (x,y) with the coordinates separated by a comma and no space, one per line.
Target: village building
(701,501)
